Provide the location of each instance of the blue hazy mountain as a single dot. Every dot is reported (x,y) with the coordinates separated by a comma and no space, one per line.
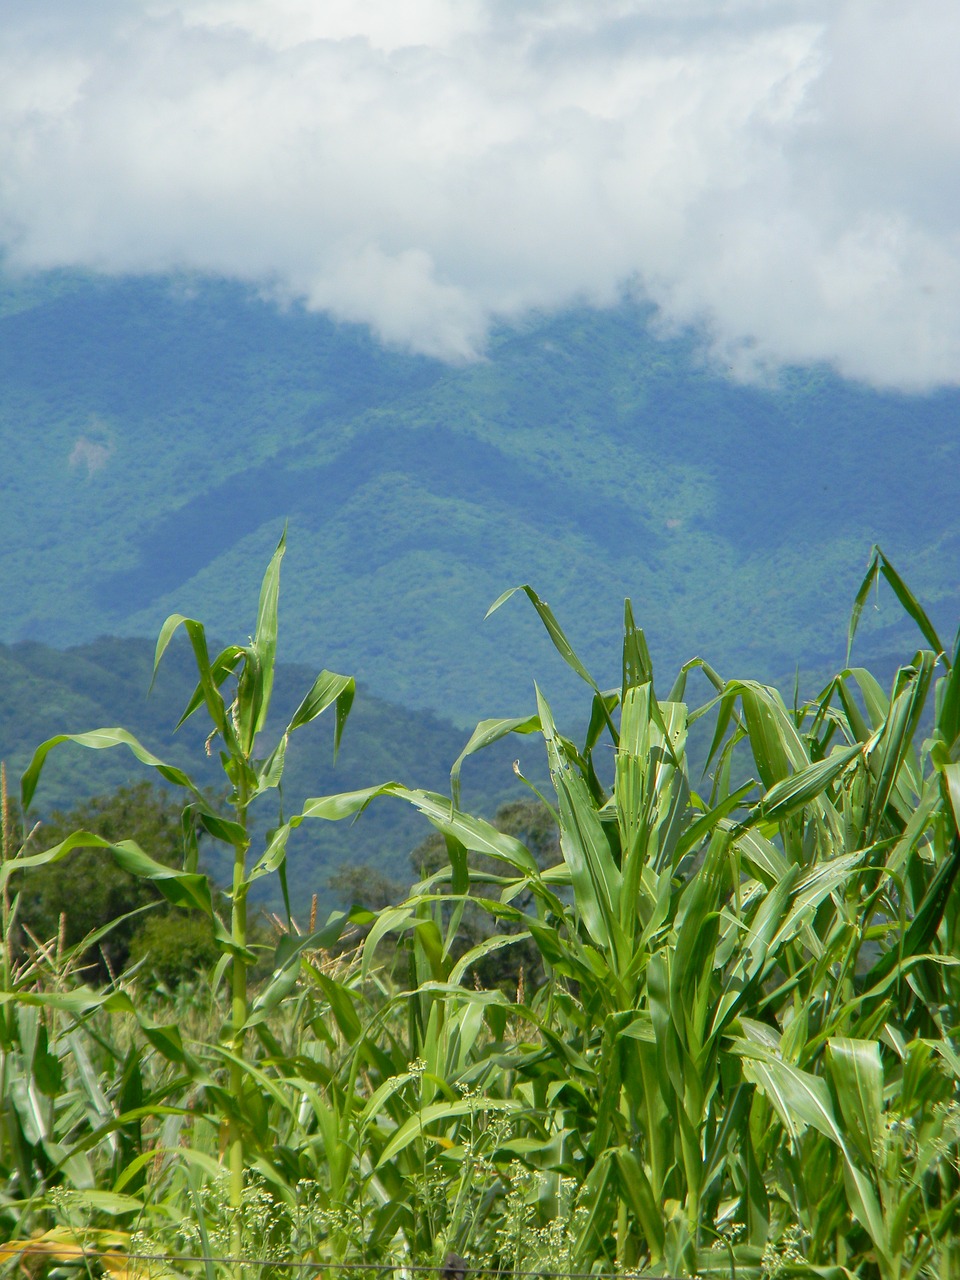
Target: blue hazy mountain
(158,433)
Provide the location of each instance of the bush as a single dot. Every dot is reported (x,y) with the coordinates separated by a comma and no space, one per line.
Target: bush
(174,947)
(88,890)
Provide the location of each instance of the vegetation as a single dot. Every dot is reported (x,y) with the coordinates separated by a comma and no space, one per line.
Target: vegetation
(587,455)
(74,899)
(739,1056)
(44,692)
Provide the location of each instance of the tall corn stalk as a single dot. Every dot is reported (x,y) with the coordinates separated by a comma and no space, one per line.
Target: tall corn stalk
(237,726)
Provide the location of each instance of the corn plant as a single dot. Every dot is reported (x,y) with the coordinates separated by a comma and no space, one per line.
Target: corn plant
(738,980)
(251,774)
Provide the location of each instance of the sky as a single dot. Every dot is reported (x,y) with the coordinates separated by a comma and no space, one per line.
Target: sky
(783,176)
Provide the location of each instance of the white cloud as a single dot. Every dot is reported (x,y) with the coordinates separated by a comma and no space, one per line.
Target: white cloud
(786,174)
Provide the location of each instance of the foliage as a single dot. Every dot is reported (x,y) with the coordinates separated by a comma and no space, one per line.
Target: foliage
(517,967)
(364,885)
(238,726)
(589,453)
(43,691)
(78,897)
(173,948)
(742,1058)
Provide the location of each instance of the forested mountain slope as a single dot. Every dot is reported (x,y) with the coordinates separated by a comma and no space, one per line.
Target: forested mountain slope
(157,434)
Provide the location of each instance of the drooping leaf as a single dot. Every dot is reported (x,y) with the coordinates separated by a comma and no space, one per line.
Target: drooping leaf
(487,732)
(328,688)
(554,630)
(100,740)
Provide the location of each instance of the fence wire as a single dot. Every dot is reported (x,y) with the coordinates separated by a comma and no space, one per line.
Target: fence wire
(454,1268)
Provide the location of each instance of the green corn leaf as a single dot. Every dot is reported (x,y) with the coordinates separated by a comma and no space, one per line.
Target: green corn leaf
(602,706)
(951,786)
(265,640)
(754,948)
(100,740)
(858,1079)
(487,732)
(912,607)
(274,854)
(594,874)
(167,1041)
(210,679)
(267,1084)
(554,630)
(879,564)
(430,942)
(497,942)
(459,866)
(799,1098)
(328,688)
(948,701)
(391,919)
(380,1097)
(436,1112)
(670,1068)
(182,888)
(856,726)
(286,965)
(800,788)
(283,979)
(270,772)
(637,663)
(865,1206)
(926,922)
(599,1202)
(341,1005)
(813,889)
(874,698)
(76,1000)
(108,1202)
(638,1193)
(764,858)
(705,824)
(906,708)
(698,930)
(777,748)
(224,665)
(863,591)
(473,833)
(189,1156)
(726,715)
(220,828)
(633,791)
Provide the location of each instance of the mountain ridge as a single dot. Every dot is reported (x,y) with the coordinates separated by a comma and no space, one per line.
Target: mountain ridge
(160,433)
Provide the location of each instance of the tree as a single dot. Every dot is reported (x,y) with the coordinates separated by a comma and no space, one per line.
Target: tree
(363,884)
(89,890)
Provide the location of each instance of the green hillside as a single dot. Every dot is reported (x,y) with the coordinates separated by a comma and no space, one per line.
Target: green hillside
(44,692)
(157,435)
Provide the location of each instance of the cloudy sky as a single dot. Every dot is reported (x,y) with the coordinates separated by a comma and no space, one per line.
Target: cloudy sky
(784,175)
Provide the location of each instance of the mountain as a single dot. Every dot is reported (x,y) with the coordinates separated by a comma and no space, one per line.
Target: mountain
(45,691)
(157,434)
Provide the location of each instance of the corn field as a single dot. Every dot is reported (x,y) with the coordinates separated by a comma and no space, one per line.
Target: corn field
(739,1056)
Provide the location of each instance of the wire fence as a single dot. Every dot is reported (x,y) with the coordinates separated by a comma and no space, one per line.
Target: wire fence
(453,1268)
